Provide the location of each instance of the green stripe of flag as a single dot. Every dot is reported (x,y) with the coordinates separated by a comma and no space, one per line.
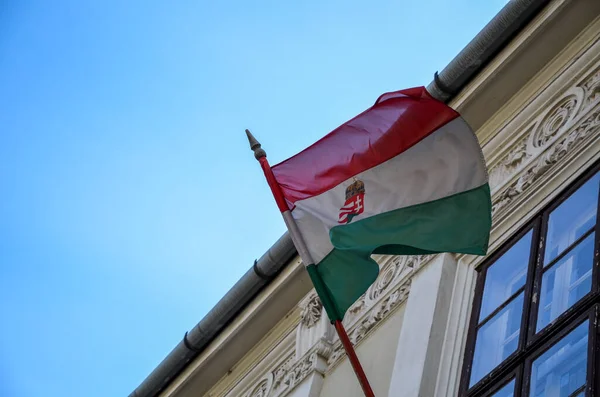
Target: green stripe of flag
(458,223)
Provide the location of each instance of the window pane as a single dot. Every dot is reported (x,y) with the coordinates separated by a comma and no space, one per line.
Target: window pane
(497,339)
(572,218)
(561,370)
(566,282)
(505,276)
(506,391)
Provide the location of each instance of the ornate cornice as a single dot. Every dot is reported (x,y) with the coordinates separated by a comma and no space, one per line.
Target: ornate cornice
(394,272)
(375,316)
(591,88)
(572,121)
(262,388)
(292,372)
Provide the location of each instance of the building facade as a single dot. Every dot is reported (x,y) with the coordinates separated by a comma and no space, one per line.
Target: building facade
(522,321)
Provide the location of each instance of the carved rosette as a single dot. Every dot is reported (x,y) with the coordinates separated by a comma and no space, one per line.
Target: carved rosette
(561,130)
(395,269)
(386,275)
(556,119)
(589,127)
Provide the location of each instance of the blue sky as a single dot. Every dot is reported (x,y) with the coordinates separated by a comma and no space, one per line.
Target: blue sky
(130,200)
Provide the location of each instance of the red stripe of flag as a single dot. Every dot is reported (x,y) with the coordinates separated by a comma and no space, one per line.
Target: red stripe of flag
(397,121)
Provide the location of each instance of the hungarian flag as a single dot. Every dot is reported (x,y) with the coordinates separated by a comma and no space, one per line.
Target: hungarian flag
(407,176)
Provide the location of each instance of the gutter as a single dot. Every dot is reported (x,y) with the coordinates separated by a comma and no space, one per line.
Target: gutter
(445,86)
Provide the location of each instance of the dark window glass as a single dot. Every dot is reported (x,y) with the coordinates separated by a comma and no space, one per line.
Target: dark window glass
(506,276)
(561,371)
(572,219)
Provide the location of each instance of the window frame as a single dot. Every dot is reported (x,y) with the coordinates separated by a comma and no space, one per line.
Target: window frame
(533,343)
(591,316)
(516,375)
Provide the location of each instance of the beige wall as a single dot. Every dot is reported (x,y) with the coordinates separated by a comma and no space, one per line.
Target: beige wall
(377,355)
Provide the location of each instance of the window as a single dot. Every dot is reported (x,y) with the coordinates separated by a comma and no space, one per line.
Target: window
(535,315)
(562,369)
(506,391)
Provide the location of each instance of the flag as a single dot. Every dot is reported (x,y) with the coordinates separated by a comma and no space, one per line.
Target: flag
(407,176)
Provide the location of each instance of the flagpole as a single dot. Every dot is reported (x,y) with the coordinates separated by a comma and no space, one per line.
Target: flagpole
(302,249)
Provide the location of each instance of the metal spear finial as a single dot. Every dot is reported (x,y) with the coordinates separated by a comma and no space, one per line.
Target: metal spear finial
(255,146)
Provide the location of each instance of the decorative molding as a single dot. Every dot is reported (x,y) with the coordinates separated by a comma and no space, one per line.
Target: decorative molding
(375,316)
(394,270)
(588,128)
(572,120)
(534,137)
(291,373)
(311,312)
(299,371)
(280,374)
(388,292)
(262,388)
(554,120)
(313,326)
(591,88)
(510,163)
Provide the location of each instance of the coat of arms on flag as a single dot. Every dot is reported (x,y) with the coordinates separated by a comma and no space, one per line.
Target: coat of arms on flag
(355,202)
